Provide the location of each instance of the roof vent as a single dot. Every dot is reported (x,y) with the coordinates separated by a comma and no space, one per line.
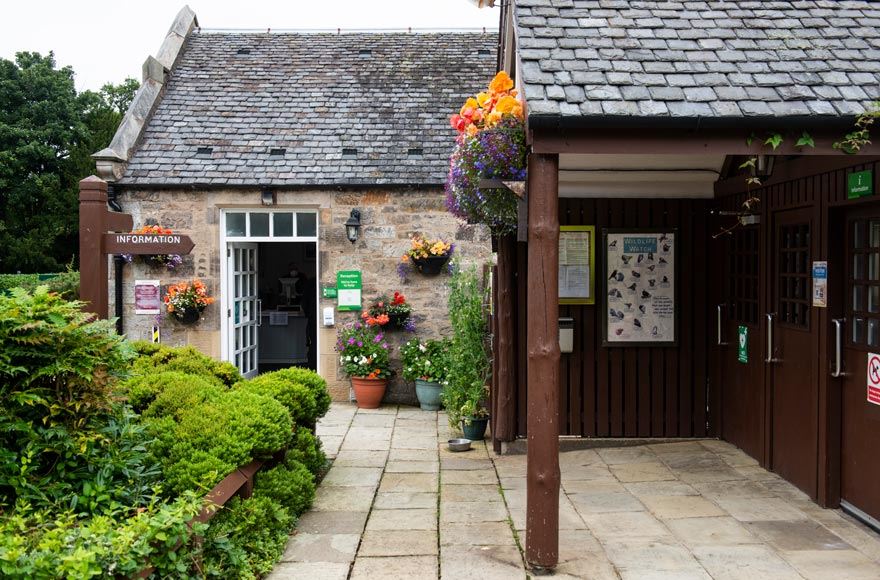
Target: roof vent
(243,51)
(277,152)
(349,152)
(484,52)
(365,52)
(415,152)
(204,150)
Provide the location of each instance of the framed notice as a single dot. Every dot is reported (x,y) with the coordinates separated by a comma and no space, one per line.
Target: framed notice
(348,290)
(639,287)
(576,264)
(147,299)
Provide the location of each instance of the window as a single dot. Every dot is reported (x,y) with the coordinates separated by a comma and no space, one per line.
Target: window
(863,282)
(743,262)
(271,224)
(793,287)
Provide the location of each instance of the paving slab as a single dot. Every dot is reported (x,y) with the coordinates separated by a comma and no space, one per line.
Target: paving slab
(405,500)
(403,519)
(476,493)
(396,466)
(395,568)
(713,531)
(797,535)
(339,476)
(398,543)
(472,512)
(470,477)
(321,548)
(680,506)
(310,570)
(640,559)
(412,455)
(825,564)
(744,563)
(409,482)
(343,499)
(483,562)
(760,509)
(341,522)
(351,458)
(644,471)
(476,534)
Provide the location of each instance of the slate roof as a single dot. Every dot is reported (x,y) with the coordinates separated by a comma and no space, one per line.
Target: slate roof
(728,60)
(313,95)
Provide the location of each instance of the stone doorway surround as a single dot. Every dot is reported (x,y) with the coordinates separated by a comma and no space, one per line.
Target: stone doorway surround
(396,503)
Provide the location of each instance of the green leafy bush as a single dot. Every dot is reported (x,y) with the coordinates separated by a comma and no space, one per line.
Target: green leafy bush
(306,449)
(183,396)
(160,358)
(302,391)
(66,284)
(200,445)
(246,538)
(43,545)
(425,359)
(56,365)
(141,391)
(291,484)
(470,367)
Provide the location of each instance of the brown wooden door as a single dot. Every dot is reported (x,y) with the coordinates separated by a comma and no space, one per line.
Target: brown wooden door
(860,421)
(741,382)
(791,354)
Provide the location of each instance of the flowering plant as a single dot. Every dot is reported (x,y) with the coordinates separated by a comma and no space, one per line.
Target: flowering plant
(186,296)
(425,360)
(421,248)
(363,351)
(490,145)
(386,310)
(170,261)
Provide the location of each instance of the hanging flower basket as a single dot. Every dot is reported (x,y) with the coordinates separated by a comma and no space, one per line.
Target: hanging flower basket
(389,313)
(186,301)
(188,316)
(425,256)
(432,265)
(490,145)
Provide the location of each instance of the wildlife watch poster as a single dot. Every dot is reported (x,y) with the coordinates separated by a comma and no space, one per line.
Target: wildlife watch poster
(640,287)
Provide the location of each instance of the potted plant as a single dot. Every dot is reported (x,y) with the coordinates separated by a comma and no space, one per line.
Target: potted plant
(424,363)
(491,145)
(186,301)
(389,313)
(469,366)
(427,256)
(363,354)
(169,261)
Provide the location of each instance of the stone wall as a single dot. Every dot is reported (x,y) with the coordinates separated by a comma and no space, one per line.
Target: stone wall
(389,218)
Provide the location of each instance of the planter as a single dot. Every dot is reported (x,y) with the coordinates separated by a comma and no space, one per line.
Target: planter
(188,316)
(476,431)
(368,392)
(430,266)
(428,393)
(397,321)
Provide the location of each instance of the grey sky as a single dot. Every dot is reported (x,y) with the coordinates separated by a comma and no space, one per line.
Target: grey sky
(108,40)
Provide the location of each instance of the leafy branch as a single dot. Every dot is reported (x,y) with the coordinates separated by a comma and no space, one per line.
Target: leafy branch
(853,141)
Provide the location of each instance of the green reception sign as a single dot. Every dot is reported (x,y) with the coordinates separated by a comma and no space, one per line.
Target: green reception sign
(859,184)
(742,354)
(348,290)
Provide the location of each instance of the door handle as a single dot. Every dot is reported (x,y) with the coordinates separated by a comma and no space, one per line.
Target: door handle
(721,341)
(770,359)
(838,347)
(259,312)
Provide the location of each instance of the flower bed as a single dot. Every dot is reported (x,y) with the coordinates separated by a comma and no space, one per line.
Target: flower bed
(108,448)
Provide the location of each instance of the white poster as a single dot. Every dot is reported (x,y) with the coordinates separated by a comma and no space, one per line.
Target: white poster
(640,283)
(575,264)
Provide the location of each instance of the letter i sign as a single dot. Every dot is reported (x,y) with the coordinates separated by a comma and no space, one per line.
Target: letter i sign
(874,378)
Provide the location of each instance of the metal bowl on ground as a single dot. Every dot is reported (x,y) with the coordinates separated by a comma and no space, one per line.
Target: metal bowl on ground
(459,444)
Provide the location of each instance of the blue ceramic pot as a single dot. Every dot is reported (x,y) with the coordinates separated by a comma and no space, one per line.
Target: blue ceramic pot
(476,431)
(428,394)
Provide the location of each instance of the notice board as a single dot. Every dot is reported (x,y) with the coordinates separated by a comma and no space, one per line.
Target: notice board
(576,264)
(639,287)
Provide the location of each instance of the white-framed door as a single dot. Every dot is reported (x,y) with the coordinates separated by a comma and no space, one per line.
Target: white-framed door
(244,307)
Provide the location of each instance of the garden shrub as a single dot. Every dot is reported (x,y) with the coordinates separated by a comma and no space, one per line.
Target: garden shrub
(141,391)
(65,284)
(302,391)
(306,449)
(43,545)
(246,538)
(186,393)
(202,444)
(160,358)
(291,484)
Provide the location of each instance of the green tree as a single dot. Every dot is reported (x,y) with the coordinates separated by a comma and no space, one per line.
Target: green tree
(47,134)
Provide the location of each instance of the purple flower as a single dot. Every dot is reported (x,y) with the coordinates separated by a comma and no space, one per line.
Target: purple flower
(385,345)
(378,338)
(360,343)
(410,325)
(351,340)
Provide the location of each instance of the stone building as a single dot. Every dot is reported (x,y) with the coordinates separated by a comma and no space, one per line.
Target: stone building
(259,145)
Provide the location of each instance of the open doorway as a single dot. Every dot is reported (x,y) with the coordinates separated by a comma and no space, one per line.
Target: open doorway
(270,283)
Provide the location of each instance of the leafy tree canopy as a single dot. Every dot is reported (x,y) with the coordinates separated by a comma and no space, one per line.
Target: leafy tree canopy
(48,132)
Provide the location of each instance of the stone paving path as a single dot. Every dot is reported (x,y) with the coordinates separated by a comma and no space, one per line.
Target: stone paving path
(396,503)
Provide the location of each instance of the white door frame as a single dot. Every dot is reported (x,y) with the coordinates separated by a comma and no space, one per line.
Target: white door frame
(225,241)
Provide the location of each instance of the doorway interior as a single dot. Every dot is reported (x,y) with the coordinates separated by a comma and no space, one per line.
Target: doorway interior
(270,289)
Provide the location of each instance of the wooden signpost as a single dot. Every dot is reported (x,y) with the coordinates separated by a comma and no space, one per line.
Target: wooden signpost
(98,237)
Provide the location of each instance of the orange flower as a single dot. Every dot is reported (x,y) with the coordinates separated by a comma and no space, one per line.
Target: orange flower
(502,82)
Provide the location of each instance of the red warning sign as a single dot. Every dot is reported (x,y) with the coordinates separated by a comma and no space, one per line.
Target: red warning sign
(874,378)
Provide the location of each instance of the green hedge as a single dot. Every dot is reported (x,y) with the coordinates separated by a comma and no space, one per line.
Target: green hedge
(64,283)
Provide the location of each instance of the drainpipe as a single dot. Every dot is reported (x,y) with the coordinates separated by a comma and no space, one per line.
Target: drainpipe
(118,261)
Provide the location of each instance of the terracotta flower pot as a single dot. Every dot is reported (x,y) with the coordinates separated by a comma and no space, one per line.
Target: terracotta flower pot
(368,392)
(430,266)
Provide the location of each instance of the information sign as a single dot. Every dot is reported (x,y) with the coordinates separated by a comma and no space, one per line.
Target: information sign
(147,299)
(860,184)
(742,353)
(329,292)
(576,258)
(348,290)
(820,284)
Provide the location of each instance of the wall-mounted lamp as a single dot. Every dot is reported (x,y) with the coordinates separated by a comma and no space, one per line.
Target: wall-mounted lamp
(353,225)
(764,166)
(267,195)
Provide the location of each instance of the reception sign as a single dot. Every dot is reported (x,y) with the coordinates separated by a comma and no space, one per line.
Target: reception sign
(348,290)
(640,287)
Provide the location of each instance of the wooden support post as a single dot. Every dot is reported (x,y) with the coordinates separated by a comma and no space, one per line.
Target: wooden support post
(542,482)
(92,260)
(504,419)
